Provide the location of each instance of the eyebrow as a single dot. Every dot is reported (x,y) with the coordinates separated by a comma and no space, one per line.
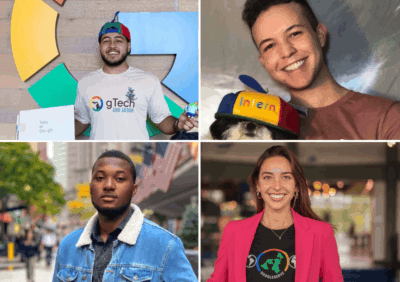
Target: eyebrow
(117,172)
(268,172)
(117,36)
(287,30)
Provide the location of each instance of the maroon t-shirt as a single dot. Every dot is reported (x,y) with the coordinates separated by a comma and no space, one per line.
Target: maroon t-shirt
(354,116)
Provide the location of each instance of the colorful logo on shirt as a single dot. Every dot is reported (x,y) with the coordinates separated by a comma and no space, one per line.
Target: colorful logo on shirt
(130,95)
(272,263)
(96,103)
(115,104)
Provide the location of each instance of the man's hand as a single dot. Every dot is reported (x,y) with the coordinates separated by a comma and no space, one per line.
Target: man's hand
(187,123)
(80,127)
(170,125)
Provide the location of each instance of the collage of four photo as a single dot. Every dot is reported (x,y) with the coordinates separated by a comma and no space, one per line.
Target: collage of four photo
(198,140)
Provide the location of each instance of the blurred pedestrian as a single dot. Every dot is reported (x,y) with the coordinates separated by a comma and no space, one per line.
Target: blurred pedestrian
(49,242)
(29,251)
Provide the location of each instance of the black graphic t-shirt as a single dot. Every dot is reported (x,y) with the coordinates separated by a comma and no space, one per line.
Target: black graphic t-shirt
(271,259)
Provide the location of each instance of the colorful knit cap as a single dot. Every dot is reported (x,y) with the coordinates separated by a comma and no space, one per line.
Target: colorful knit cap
(259,107)
(117,27)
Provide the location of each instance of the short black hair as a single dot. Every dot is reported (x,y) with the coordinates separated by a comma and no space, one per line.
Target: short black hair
(119,155)
(253,9)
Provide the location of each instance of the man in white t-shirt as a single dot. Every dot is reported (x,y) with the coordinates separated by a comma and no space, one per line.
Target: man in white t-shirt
(49,242)
(116,99)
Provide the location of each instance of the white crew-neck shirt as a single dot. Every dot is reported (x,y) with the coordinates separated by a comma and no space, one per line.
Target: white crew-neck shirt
(117,105)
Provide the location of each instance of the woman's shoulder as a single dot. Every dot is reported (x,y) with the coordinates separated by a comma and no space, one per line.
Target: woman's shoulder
(317,225)
(242,223)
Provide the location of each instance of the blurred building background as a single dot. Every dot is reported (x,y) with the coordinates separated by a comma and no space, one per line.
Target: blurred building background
(167,175)
(354,186)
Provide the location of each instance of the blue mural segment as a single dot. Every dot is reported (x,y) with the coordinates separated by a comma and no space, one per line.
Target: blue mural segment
(169,33)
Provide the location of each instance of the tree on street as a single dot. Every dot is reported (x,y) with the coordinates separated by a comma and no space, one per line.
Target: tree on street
(25,175)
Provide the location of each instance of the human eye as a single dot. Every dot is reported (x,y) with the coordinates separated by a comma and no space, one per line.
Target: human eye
(99,178)
(267,177)
(296,33)
(269,46)
(287,177)
(121,179)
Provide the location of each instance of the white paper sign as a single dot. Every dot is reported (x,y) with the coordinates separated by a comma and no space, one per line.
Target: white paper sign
(47,124)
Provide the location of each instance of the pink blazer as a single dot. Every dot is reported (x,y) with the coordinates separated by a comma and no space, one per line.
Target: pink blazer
(315,247)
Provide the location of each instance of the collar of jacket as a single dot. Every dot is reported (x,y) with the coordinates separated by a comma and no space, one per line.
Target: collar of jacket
(128,235)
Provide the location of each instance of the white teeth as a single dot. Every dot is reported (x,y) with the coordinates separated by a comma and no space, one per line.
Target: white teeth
(295,65)
(113,53)
(277,196)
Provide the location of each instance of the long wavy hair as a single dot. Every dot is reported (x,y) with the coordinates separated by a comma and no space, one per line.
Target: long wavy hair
(302,205)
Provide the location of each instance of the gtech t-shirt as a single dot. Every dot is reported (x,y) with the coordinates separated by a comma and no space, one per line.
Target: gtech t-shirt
(116,105)
(271,259)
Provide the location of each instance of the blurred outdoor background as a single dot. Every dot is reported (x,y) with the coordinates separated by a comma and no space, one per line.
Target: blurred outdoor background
(44,188)
(353,185)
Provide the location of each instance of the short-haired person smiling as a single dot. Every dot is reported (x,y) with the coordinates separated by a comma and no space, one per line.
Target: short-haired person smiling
(116,99)
(290,41)
(285,230)
(118,243)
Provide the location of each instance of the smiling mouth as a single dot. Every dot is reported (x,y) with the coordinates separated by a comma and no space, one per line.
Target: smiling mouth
(295,65)
(113,53)
(276,197)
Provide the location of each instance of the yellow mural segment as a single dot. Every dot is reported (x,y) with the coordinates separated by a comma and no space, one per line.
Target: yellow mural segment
(33,36)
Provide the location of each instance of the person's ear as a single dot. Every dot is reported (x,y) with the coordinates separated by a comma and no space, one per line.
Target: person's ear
(322,33)
(135,188)
(129,47)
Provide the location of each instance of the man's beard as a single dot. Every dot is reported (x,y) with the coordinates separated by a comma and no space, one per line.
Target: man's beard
(112,213)
(116,63)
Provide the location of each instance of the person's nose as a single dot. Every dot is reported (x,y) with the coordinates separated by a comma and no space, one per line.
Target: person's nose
(110,184)
(113,43)
(277,183)
(287,49)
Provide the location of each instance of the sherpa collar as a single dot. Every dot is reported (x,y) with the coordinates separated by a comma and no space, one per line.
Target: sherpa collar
(128,235)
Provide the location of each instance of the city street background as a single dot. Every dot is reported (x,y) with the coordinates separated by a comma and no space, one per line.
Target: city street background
(44,191)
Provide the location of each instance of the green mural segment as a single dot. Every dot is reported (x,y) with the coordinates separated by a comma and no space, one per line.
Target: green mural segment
(57,88)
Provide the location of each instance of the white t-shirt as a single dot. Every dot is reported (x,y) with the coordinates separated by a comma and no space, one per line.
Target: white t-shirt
(49,239)
(116,105)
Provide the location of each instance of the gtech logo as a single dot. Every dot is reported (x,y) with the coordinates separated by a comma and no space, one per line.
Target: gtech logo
(96,103)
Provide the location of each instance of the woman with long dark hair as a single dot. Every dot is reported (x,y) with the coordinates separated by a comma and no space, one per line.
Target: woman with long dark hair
(285,240)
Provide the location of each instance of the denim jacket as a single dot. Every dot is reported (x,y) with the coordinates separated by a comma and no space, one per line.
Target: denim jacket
(143,252)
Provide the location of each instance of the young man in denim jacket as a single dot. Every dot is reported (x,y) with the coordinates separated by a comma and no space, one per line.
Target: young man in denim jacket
(118,243)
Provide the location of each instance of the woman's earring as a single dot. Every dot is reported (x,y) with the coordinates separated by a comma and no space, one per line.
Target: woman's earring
(258,195)
(296,194)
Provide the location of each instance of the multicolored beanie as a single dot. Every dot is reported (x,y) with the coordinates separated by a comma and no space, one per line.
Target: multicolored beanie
(117,27)
(265,108)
